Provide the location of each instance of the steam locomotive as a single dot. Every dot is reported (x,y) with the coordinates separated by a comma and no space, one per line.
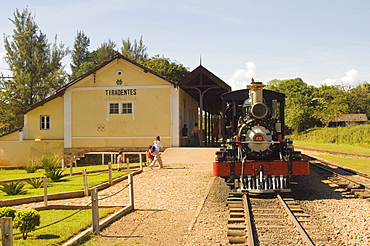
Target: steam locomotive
(254,156)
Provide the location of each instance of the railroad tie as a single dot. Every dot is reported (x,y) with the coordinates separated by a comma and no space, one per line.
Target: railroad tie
(236,233)
(236,220)
(236,227)
(363,195)
(236,209)
(236,214)
(238,240)
(302,215)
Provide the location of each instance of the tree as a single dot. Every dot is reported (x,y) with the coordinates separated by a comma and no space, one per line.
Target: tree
(104,52)
(80,54)
(331,103)
(8,106)
(35,64)
(359,99)
(135,51)
(299,106)
(173,71)
(94,58)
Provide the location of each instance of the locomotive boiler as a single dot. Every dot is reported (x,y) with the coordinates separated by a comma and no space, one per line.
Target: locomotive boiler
(255,156)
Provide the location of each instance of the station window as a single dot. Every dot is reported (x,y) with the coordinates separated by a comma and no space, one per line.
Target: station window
(126,108)
(44,122)
(120,108)
(114,108)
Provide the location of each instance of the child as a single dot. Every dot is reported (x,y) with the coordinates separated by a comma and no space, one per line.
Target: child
(120,160)
(149,156)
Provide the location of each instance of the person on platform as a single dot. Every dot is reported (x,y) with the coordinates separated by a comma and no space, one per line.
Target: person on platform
(149,155)
(157,157)
(195,132)
(215,132)
(120,159)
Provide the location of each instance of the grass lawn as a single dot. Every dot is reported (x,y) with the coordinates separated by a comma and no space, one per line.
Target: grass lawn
(59,232)
(334,147)
(359,164)
(68,183)
(362,165)
(21,173)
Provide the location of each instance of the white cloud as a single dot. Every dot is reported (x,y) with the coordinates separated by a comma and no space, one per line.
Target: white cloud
(349,79)
(242,77)
(330,82)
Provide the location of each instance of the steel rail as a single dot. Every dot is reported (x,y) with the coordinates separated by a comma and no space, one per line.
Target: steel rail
(304,234)
(341,176)
(342,167)
(248,221)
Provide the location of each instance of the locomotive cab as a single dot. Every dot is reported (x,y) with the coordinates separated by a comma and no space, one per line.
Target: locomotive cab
(254,156)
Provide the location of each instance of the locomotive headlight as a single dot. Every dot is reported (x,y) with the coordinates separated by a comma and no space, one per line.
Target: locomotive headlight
(259,110)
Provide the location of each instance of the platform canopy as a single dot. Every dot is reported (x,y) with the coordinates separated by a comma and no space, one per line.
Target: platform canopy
(206,88)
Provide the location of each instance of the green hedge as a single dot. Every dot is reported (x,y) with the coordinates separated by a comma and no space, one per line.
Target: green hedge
(353,135)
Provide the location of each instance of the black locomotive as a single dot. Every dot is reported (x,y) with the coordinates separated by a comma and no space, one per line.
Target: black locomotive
(255,156)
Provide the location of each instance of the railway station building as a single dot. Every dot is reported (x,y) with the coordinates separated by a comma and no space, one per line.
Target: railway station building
(118,105)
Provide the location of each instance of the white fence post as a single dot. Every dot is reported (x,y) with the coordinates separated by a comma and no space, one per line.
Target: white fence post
(95,211)
(128,165)
(141,161)
(45,191)
(84,175)
(131,189)
(6,231)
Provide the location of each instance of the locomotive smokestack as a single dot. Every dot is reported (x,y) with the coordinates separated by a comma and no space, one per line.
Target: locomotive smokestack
(256,92)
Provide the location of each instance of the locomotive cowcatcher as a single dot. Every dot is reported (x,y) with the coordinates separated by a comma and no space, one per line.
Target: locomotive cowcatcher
(255,157)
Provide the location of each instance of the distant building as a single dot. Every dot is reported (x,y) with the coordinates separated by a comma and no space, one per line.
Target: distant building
(350,119)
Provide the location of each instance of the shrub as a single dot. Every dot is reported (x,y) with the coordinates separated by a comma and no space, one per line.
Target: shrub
(31,167)
(50,162)
(36,182)
(55,174)
(7,212)
(13,188)
(26,220)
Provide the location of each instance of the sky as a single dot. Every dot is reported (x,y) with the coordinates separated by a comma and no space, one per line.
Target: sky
(320,41)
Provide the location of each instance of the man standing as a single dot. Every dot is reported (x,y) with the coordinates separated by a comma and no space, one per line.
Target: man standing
(215,132)
(195,132)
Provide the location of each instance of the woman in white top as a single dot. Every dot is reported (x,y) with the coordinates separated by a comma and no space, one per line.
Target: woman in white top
(157,157)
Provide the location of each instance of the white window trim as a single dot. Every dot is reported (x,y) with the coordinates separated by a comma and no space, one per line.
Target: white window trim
(43,127)
(120,109)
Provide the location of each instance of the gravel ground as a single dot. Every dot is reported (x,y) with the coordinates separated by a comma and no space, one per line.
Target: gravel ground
(341,217)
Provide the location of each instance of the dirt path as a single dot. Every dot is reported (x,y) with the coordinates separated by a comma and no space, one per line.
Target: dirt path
(181,204)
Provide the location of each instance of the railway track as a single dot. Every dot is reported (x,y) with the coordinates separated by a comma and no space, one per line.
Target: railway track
(350,180)
(269,221)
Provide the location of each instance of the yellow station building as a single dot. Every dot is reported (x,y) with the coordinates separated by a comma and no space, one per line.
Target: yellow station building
(119,105)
